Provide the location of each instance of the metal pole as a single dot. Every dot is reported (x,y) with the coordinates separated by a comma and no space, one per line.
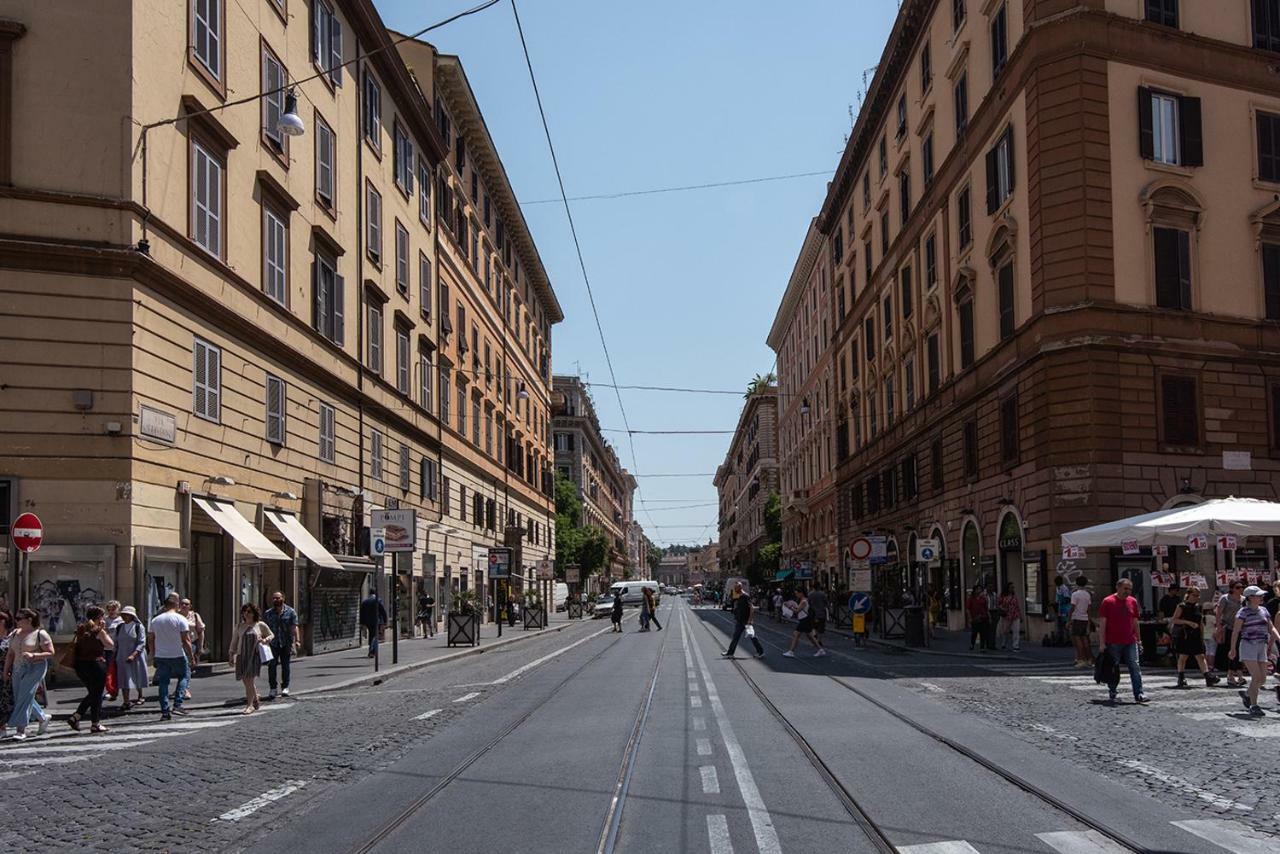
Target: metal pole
(377,627)
(395,608)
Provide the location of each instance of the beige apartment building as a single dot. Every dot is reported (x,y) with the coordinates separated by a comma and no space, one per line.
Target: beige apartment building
(801,337)
(222,346)
(1056,240)
(745,479)
(704,563)
(607,490)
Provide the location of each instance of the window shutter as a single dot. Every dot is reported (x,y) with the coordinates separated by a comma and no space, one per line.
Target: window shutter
(339,300)
(213,388)
(275,410)
(993,182)
(317,300)
(317,31)
(1146,131)
(1008,147)
(1184,269)
(200,380)
(335,50)
(1189,129)
(408,165)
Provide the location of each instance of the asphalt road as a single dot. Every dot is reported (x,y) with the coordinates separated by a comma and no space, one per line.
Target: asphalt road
(590,741)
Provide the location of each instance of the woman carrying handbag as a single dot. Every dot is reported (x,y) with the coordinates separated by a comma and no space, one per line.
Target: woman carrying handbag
(250,647)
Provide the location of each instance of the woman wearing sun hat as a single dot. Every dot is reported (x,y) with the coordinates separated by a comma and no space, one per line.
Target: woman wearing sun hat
(131,656)
(1257,642)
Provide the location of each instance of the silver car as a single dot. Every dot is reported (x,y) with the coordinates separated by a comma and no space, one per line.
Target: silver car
(603,607)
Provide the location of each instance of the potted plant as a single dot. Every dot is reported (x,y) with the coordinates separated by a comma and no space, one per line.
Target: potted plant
(463,621)
(534,611)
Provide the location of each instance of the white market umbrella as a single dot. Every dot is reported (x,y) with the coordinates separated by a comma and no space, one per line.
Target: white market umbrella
(1244,517)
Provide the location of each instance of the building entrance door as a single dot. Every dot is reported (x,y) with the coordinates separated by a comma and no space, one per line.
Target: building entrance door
(209,595)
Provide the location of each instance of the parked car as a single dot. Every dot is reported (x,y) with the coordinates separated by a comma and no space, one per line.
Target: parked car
(603,607)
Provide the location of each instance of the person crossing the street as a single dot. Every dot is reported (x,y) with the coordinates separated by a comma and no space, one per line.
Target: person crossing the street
(169,641)
(615,613)
(283,622)
(1081,601)
(1118,637)
(651,606)
(1223,635)
(1257,642)
(1187,627)
(89,653)
(743,614)
(799,609)
(819,609)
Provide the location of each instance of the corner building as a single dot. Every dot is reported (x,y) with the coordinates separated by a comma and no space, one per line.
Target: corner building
(745,479)
(1056,241)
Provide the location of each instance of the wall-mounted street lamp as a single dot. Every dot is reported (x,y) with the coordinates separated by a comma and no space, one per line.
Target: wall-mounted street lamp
(522,393)
(804,406)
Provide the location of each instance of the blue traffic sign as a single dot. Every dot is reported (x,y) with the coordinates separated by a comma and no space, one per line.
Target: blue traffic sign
(860,603)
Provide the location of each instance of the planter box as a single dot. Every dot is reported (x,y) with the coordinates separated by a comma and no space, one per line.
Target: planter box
(463,629)
(574,610)
(535,616)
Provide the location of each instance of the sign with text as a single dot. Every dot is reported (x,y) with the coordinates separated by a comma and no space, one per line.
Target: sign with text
(546,570)
(27,532)
(927,550)
(1072,552)
(1198,542)
(1160,551)
(399,527)
(377,542)
(1227,542)
(157,424)
(499,563)
(1129,547)
(1237,460)
(861,579)
(879,549)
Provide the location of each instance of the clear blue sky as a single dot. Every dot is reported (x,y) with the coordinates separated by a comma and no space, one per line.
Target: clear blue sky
(658,94)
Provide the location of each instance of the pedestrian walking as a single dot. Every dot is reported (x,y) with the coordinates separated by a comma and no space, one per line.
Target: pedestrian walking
(283,622)
(615,613)
(777,606)
(979,617)
(111,619)
(89,648)
(373,617)
(249,647)
(427,613)
(1010,618)
(25,665)
(1062,599)
(7,631)
(1081,602)
(1256,643)
(651,605)
(743,615)
(169,641)
(1187,628)
(131,657)
(196,622)
(1118,632)
(820,609)
(804,626)
(512,609)
(1223,635)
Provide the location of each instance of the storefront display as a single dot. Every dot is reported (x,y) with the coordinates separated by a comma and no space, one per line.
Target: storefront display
(65,580)
(334,607)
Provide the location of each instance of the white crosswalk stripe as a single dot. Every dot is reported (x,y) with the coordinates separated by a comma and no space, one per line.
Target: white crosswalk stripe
(1086,842)
(1231,835)
(955,846)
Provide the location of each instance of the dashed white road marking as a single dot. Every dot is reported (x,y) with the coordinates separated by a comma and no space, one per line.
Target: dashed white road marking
(425,715)
(465,697)
(710,780)
(699,723)
(704,746)
(1184,786)
(56,760)
(1081,842)
(1231,835)
(525,668)
(949,847)
(250,807)
(114,744)
(695,702)
(718,834)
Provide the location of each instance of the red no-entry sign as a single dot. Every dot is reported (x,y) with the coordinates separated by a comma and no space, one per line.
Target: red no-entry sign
(27,532)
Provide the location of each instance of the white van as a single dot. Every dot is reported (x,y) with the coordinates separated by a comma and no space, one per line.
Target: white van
(634,594)
(559,596)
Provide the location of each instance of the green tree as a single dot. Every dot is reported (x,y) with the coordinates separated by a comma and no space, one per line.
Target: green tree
(773,517)
(655,560)
(594,550)
(760,382)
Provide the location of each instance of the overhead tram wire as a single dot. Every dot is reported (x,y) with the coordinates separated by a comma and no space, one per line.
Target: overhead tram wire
(573,231)
(684,188)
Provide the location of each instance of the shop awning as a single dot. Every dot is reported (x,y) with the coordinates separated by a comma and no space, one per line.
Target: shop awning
(783,574)
(1244,517)
(294,532)
(230,520)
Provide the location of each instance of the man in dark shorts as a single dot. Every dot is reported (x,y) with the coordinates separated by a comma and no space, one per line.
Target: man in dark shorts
(799,608)
(818,609)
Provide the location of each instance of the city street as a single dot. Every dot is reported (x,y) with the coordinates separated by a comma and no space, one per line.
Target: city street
(584,740)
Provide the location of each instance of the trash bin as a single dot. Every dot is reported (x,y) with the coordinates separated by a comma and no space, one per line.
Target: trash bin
(914,623)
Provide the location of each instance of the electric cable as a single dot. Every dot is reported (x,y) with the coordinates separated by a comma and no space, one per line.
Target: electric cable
(684,188)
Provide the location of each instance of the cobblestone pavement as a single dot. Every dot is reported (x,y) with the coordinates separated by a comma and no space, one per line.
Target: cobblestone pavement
(1194,748)
(152,786)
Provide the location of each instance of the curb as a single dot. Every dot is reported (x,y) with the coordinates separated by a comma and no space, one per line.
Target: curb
(370,678)
(912,650)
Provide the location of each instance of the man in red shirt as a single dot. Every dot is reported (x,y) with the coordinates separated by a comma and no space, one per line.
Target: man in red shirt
(1118,636)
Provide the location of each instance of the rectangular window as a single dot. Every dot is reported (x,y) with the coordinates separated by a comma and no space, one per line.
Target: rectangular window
(904,194)
(1173,268)
(884,233)
(424,193)
(373,224)
(273,83)
(926,158)
(275,255)
(475,421)
(328,298)
(970,449)
(1163,12)
(1268,147)
(1000,171)
(999,41)
(909,486)
(326,40)
(277,398)
(206,197)
(902,116)
(326,181)
(402,259)
(373,335)
(425,370)
(1169,128)
(926,68)
(906,300)
(328,435)
(930,262)
(488,433)
(909,384)
(935,464)
(960,96)
(402,360)
(1009,430)
(869,336)
(462,408)
(403,160)
(866,260)
(428,488)
(207,380)
(957,13)
(404,467)
(866,192)
(933,356)
(890,404)
(1266,24)
(886,314)
(873,495)
(964,218)
(1004,287)
(873,417)
(444,495)
(884,157)
(444,395)
(375,455)
(966,333)
(206,36)
(424,286)
(372,114)
(1181,414)
(1271,279)
(837,247)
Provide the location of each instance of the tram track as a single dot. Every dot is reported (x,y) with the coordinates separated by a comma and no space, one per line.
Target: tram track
(860,815)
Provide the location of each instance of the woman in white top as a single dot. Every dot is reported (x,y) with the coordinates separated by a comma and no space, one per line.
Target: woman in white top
(26,664)
(1080,602)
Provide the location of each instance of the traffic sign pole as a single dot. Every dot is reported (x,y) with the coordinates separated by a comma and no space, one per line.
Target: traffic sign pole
(28,533)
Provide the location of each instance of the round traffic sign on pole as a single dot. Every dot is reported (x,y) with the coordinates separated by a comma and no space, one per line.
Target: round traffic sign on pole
(27,532)
(860,549)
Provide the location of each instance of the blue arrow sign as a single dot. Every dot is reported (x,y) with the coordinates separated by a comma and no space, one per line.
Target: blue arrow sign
(860,603)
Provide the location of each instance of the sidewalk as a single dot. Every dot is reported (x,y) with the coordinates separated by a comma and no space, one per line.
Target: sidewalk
(956,645)
(312,674)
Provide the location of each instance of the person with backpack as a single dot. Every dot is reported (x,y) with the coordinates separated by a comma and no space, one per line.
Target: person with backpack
(1257,642)
(799,610)
(30,649)
(88,656)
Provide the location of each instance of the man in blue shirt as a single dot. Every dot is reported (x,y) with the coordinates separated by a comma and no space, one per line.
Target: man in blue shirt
(283,621)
